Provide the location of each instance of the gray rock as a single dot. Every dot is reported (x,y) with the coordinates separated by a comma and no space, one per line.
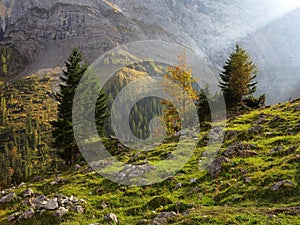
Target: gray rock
(239,150)
(40,201)
(77,209)
(61,212)
(77,167)
(276,150)
(111,217)
(231,134)
(52,204)
(291,150)
(193,180)
(297,108)
(27,193)
(103,204)
(7,198)
(178,185)
(14,216)
(21,185)
(73,199)
(282,184)
(29,213)
(163,218)
(256,129)
(216,166)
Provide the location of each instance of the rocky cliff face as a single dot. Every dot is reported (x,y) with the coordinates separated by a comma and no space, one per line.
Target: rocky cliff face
(42,32)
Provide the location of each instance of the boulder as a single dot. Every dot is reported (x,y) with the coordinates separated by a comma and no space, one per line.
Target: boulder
(27,193)
(29,213)
(40,201)
(21,185)
(216,166)
(77,209)
(276,150)
(14,216)
(163,218)
(282,184)
(291,150)
(61,212)
(77,167)
(52,204)
(239,150)
(256,129)
(231,134)
(193,180)
(7,198)
(111,217)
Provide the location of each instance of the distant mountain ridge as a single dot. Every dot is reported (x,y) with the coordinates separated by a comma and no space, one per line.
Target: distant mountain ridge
(42,33)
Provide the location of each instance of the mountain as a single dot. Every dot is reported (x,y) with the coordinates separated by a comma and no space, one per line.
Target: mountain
(253,180)
(40,34)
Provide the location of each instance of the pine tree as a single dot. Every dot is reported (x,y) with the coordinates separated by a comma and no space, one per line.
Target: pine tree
(63,131)
(238,77)
(178,78)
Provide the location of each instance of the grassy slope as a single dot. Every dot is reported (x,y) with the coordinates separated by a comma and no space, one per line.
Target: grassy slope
(228,199)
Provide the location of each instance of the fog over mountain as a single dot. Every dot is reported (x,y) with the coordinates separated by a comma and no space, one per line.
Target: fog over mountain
(43,32)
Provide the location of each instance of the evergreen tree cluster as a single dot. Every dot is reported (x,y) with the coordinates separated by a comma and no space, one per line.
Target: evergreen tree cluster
(25,140)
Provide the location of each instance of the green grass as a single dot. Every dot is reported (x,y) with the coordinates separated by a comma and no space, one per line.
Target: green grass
(227,199)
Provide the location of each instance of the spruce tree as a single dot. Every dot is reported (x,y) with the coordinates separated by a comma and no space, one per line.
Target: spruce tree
(238,77)
(63,130)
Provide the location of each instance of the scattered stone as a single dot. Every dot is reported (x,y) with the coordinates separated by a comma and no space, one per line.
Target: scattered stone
(21,185)
(14,216)
(142,222)
(40,201)
(60,180)
(291,150)
(216,166)
(194,190)
(103,204)
(133,171)
(179,185)
(297,108)
(61,212)
(188,212)
(163,218)
(282,184)
(73,199)
(29,213)
(81,201)
(77,167)
(51,205)
(111,217)
(276,150)
(77,209)
(297,128)
(231,134)
(256,129)
(239,150)
(247,179)
(7,198)
(37,178)
(27,193)
(194,180)
(274,122)
(43,211)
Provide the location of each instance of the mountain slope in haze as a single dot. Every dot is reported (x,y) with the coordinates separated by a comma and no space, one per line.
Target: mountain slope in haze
(40,34)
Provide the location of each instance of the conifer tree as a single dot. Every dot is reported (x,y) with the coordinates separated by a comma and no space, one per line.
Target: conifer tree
(63,130)
(238,77)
